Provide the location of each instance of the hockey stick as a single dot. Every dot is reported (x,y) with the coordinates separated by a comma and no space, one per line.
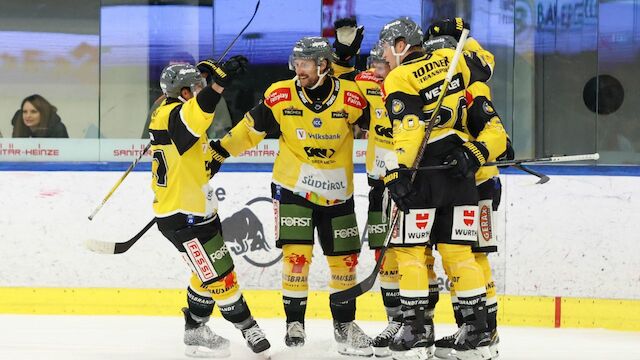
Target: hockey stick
(564,158)
(104,247)
(226,51)
(542,178)
(113,189)
(366,284)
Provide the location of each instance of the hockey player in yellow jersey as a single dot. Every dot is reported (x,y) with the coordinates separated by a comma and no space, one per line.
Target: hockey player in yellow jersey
(440,206)
(487,128)
(312,184)
(185,205)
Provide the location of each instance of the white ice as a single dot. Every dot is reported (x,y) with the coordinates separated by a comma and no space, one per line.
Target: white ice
(31,337)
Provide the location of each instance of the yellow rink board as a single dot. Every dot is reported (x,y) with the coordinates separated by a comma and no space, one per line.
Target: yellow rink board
(512,310)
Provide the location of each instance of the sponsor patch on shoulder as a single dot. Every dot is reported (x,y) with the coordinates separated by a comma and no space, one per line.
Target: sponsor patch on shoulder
(367,76)
(354,99)
(278,95)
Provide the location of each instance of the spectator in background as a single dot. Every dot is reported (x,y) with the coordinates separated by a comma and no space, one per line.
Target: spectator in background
(37,118)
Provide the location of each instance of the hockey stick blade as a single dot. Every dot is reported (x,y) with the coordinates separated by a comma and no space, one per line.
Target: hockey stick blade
(104,247)
(361,287)
(542,178)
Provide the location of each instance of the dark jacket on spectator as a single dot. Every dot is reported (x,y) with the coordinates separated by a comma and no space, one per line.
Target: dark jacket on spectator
(56,128)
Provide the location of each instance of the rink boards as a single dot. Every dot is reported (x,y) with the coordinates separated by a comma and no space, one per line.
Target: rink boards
(567,249)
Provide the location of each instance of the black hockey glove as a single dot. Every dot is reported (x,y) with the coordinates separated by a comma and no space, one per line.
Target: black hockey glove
(508,154)
(452,27)
(223,74)
(348,39)
(400,187)
(218,156)
(467,159)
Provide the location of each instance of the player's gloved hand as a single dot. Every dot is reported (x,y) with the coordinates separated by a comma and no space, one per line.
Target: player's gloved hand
(452,27)
(218,156)
(467,159)
(400,187)
(348,38)
(508,154)
(223,74)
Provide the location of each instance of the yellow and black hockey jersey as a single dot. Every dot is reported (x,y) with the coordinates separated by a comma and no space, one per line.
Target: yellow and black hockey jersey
(380,140)
(315,137)
(412,91)
(484,124)
(181,155)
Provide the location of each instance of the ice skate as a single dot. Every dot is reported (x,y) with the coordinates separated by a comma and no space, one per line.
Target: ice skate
(295,334)
(201,341)
(351,339)
(471,344)
(413,341)
(256,339)
(493,345)
(381,342)
(444,347)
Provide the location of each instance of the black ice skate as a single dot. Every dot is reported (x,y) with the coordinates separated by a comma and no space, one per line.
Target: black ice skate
(351,339)
(295,334)
(444,347)
(414,341)
(381,342)
(255,337)
(201,341)
(471,344)
(493,345)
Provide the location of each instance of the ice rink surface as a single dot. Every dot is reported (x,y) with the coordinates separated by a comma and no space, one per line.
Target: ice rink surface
(30,337)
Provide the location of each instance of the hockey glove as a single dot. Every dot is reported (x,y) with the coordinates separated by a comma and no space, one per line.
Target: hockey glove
(223,74)
(218,156)
(400,187)
(467,159)
(348,39)
(452,27)
(508,154)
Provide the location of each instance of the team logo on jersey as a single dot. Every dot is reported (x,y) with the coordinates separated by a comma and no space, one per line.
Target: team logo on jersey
(317,122)
(383,131)
(354,99)
(291,111)
(379,113)
(244,235)
(397,106)
(373,92)
(485,222)
(487,108)
(278,95)
(339,115)
(301,134)
(319,152)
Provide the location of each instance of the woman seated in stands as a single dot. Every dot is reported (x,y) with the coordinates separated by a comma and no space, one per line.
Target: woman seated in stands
(39,119)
